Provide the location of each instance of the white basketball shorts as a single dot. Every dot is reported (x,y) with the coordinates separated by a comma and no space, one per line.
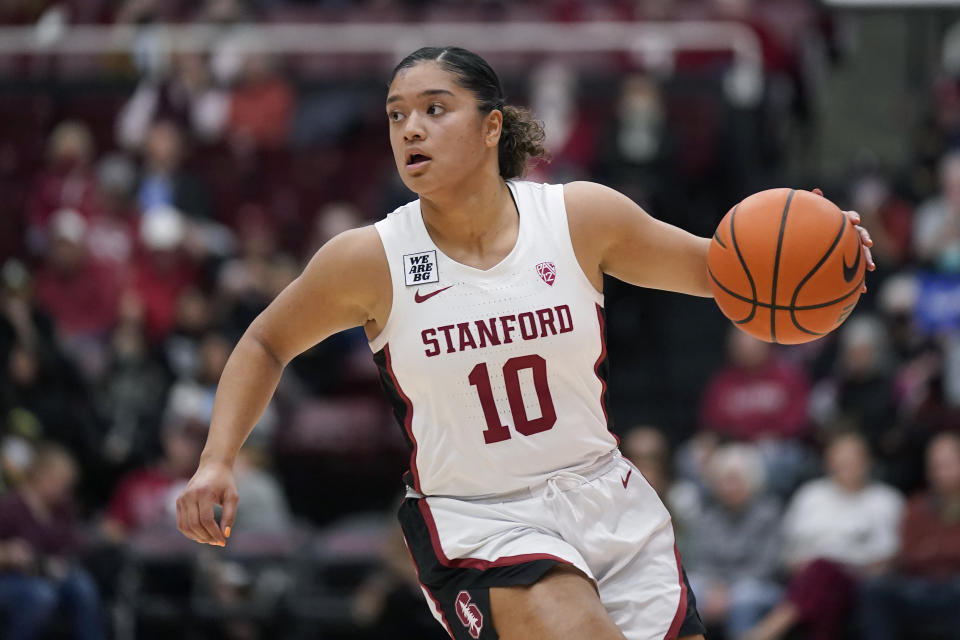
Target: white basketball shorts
(605,520)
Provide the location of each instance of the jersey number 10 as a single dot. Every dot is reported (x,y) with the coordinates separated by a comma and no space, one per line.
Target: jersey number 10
(496,431)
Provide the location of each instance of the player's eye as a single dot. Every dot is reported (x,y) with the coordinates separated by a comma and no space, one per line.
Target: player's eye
(394,116)
(435,109)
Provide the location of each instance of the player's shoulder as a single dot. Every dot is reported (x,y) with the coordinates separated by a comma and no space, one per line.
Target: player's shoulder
(583,194)
(357,243)
(350,257)
(596,213)
(597,207)
(352,266)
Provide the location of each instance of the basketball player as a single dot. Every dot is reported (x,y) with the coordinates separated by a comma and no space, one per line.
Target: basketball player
(483,304)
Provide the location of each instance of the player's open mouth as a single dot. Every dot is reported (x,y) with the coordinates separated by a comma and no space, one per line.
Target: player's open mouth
(416,161)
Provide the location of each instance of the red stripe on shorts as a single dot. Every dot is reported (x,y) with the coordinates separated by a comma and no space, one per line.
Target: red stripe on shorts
(475,563)
(682,607)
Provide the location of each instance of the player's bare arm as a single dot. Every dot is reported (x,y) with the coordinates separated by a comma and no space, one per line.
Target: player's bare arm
(345,285)
(612,234)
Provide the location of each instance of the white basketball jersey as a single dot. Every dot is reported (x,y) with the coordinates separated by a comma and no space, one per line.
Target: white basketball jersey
(497,376)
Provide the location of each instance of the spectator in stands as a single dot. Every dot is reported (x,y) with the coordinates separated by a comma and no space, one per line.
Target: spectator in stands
(264,503)
(761,399)
(836,530)
(181,346)
(16,456)
(735,538)
(860,391)
(889,218)
(937,132)
(112,237)
(570,138)
(164,181)
(42,394)
(188,96)
(637,148)
(925,590)
(896,302)
(145,499)
(22,322)
(261,105)
(67,181)
(229,51)
(936,227)
(131,397)
(79,292)
(39,543)
(243,287)
(163,270)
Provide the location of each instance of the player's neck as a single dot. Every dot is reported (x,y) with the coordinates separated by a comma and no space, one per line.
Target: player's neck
(473,219)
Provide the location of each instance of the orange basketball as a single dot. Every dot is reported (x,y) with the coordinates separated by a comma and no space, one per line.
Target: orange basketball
(786,266)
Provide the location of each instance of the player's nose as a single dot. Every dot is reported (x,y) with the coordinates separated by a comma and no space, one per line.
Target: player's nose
(414,128)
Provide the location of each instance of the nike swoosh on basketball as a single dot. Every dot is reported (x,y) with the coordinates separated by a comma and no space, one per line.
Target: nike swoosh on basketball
(849,273)
(421,298)
(627,479)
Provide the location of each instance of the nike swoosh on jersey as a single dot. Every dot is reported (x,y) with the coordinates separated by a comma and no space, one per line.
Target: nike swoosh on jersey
(421,298)
(849,273)
(627,479)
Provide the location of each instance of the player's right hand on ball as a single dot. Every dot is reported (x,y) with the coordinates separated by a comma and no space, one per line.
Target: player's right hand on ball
(213,483)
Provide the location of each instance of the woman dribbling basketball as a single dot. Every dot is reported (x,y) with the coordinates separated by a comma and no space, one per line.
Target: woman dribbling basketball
(483,304)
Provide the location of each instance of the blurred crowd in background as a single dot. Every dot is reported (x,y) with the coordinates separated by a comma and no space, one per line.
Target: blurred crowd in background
(153,206)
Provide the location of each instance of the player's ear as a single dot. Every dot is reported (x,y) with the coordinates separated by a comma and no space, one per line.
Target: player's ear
(492,127)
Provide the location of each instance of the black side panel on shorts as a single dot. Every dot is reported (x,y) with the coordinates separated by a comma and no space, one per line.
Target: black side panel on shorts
(463,594)
(692,624)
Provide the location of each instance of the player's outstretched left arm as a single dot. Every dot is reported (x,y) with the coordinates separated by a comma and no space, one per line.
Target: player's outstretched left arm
(613,235)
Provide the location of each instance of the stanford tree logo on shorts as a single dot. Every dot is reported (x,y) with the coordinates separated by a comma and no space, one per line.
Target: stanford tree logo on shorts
(469,614)
(548,272)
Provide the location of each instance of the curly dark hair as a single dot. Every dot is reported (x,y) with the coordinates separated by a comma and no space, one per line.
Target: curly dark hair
(521,137)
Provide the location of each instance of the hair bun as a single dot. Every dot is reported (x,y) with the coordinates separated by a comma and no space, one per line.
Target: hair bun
(521,139)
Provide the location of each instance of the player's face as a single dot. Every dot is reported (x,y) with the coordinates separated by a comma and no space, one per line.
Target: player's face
(437,133)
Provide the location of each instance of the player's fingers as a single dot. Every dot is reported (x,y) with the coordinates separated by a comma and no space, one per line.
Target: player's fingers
(867,242)
(183,521)
(818,191)
(191,518)
(208,525)
(229,503)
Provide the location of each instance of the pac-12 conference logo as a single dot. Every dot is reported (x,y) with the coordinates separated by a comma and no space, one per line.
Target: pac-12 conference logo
(469,614)
(547,272)
(420,268)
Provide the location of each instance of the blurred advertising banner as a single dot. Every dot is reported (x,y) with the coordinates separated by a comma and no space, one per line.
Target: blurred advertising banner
(938,302)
